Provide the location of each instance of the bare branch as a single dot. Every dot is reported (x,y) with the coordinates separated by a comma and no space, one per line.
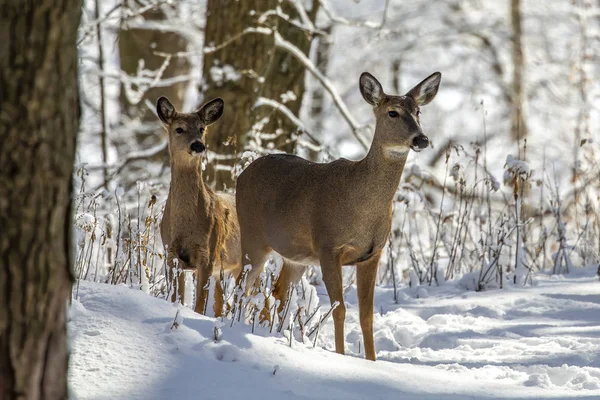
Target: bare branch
(263,101)
(212,49)
(293,50)
(341,20)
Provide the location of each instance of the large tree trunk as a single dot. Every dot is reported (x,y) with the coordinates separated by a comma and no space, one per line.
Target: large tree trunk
(39,119)
(246,68)
(518,127)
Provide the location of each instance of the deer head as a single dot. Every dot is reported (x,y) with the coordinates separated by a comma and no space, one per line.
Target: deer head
(187,131)
(398,128)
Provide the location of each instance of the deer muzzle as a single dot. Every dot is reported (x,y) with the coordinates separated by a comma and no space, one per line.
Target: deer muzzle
(197,148)
(420,142)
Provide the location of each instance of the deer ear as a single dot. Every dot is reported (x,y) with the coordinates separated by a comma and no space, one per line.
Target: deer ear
(425,91)
(165,110)
(211,111)
(371,89)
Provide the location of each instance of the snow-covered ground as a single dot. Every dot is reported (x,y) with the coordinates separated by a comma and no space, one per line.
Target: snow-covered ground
(443,342)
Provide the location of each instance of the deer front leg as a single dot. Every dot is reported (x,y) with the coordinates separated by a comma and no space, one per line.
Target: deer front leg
(203,272)
(332,276)
(176,277)
(366,273)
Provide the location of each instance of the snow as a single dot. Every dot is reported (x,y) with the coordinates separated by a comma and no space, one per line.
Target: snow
(221,75)
(541,341)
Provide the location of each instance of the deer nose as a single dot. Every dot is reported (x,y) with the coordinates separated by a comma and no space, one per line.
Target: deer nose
(421,142)
(197,147)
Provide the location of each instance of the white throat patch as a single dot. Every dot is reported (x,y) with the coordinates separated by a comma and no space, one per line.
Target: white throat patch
(396,152)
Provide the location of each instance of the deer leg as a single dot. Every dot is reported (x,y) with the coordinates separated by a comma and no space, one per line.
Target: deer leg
(218,297)
(366,273)
(332,277)
(257,260)
(291,273)
(219,294)
(181,285)
(226,275)
(202,275)
(177,282)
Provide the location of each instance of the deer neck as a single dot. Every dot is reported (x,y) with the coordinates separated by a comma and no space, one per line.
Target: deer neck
(382,169)
(187,189)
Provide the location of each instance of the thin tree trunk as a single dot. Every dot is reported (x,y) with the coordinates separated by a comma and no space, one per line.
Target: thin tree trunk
(39,113)
(518,128)
(323,50)
(103,133)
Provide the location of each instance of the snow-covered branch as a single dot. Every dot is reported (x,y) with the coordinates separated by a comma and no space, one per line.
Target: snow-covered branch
(341,20)
(263,101)
(341,106)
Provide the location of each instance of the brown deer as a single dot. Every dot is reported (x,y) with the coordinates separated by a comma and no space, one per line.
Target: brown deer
(333,214)
(199,227)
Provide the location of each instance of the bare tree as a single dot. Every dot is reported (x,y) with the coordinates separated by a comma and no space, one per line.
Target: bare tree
(39,110)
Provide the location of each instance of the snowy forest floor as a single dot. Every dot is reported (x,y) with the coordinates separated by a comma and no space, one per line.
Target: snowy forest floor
(446,342)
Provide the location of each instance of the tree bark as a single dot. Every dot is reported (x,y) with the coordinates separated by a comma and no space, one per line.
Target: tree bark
(139,44)
(39,120)
(248,67)
(286,75)
(518,127)
(317,103)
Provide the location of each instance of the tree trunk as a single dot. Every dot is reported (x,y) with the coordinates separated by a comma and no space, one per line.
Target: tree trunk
(246,68)
(518,127)
(317,104)
(39,119)
(286,76)
(139,43)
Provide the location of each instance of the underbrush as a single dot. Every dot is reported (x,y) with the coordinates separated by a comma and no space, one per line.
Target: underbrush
(469,228)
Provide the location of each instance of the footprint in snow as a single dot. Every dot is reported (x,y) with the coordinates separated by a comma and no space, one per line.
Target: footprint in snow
(227,352)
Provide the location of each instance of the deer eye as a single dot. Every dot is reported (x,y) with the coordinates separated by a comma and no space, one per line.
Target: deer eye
(418,112)
(393,114)
(179,130)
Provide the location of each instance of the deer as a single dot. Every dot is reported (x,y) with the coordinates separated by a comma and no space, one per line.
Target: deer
(333,214)
(199,227)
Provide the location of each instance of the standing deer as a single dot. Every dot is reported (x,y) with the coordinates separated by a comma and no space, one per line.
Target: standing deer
(199,227)
(333,214)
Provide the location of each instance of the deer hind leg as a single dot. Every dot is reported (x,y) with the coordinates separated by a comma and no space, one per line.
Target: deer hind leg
(291,273)
(332,277)
(219,294)
(256,257)
(366,273)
